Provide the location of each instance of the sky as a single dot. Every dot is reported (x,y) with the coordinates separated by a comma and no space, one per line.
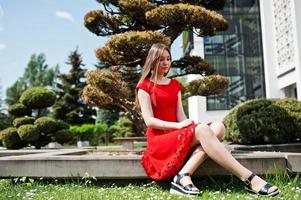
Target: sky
(52,27)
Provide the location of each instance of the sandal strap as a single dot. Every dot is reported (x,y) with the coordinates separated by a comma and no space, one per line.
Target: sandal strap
(249,179)
(180,176)
(265,189)
(189,187)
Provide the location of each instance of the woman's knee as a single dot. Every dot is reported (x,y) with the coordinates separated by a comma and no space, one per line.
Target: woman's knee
(203,131)
(219,129)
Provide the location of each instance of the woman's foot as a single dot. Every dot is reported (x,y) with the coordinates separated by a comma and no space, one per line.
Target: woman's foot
(183,185)
(259,186)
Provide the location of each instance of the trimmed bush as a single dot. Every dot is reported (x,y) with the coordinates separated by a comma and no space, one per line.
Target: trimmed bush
(19,110)
(22,121)
(263,121)
(83,132)
(122,128)
(10,139)
(90,132)
(48,124)
(63,136)
(28,132)
(42,141)
(60,124)
(38,97)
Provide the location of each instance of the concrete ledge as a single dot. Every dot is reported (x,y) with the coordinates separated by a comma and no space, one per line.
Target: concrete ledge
(291,147)
(5,152)
(71,163)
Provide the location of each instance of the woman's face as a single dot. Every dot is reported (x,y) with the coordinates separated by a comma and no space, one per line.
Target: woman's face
(164,64)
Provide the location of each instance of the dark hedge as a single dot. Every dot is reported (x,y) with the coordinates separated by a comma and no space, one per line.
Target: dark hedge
(263,121)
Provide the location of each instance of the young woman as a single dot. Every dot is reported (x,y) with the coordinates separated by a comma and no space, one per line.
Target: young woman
(175,145)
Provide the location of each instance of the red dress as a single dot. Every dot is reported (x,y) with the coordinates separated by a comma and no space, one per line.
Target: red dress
(166,149)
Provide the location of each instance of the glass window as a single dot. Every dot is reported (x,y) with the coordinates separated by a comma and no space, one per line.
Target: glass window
(237,54)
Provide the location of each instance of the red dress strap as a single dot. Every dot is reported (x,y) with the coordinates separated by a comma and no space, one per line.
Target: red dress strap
(177,86)
(144,85)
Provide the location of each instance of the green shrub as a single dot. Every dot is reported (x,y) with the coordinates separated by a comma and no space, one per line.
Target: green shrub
(28,132)
(122,128)
(262,121)
(60,124)
(38,97)
(84,132)
(101,132)
(19,110)
(49,125)
(63,136)
(10,139)
(42,140)
(22,121)
(90,132)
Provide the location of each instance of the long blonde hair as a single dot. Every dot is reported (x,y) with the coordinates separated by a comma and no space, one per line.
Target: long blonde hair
(150,67)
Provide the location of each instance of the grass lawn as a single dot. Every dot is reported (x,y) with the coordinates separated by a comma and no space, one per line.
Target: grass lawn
(227,187)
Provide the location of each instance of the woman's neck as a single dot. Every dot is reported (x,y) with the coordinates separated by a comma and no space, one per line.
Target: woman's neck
(159,78)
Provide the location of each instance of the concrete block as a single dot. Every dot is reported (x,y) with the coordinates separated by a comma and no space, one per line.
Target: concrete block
(294,162)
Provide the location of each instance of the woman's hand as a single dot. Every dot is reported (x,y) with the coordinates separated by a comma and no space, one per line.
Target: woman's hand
(184,123)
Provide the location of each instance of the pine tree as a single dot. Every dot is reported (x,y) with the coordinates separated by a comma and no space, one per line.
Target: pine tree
(69,106)
(133,26)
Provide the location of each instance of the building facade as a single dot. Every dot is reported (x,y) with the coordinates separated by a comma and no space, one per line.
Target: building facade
(259,53)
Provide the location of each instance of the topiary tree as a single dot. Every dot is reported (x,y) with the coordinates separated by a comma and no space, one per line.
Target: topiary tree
(28,132)
(35,130)
(22,121)
(10,138)
(262,121)
(38,98)
(133,26)
(19,110)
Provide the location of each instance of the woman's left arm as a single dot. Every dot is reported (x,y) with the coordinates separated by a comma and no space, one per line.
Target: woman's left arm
(180,111)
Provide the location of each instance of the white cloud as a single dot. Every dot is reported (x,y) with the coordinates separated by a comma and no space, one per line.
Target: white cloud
(2,46)
(64,15)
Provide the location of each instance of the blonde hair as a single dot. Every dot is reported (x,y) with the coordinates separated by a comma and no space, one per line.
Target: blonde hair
(150,67)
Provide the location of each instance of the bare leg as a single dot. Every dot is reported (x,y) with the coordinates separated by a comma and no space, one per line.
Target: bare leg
(199,156)
(217,152)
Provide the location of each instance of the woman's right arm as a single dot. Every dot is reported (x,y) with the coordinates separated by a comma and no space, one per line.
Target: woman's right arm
(148,116)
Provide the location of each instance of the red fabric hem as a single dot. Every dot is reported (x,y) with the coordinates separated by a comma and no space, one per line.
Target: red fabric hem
(174,165)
